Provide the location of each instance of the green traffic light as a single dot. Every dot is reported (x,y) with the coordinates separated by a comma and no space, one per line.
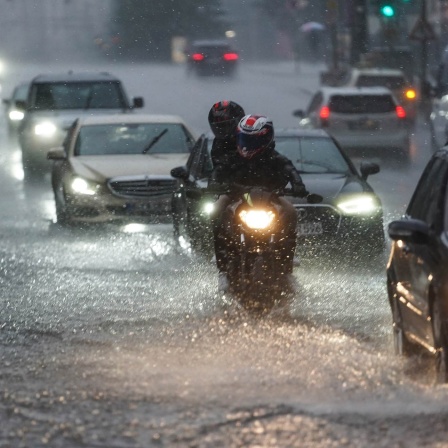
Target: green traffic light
(387,11)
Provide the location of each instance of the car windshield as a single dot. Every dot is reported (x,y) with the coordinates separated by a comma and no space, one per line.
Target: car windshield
(391,82)
(358,104)
(77,95)
(116,139)
(313,154)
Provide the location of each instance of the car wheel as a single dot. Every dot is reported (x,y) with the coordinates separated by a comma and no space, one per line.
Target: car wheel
(402,346)
(439,329)
(62,214)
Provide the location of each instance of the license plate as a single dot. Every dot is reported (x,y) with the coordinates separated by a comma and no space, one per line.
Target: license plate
(365,125)
(142,209)
(310,228)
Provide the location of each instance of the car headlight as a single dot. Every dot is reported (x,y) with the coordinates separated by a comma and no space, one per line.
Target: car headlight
(81,186)
(16,115)
(45,129)
(208,207)
(365,205)
(257,219)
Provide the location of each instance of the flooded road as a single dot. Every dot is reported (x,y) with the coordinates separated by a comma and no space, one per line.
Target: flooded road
(115,338)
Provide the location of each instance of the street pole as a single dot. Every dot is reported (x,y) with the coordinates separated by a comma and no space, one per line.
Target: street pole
(424,56)
(358,31)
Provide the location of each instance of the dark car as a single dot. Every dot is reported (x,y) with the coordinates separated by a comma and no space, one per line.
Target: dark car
(350,216)
(53,103)
(212,57)
(417,271)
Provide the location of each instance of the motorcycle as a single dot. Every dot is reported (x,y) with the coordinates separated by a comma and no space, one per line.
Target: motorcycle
(258,256)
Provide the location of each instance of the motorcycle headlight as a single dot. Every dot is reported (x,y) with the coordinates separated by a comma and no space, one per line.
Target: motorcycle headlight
(365,205)
(208,207)
(81,186)
(257,219)
(45,129)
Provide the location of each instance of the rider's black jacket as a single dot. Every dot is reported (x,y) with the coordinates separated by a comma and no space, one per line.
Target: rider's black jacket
(271,170)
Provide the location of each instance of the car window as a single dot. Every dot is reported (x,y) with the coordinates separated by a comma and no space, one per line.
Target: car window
(426,203)
(356,104)
(113,139)
(313,154)
(20,93)
(391,82)
(77,95)
(315,103)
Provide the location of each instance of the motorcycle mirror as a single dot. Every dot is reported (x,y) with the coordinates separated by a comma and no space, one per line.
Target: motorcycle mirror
(314,198)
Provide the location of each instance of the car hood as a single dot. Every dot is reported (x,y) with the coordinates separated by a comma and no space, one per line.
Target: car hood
(332,186)
(65,118)
(100,168)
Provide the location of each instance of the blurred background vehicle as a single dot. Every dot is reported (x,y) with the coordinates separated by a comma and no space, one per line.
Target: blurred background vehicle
(359,119)
(55,101)
(116,167)
(14,115)
(393,79)
(212,57)
(349,219)
(417,270)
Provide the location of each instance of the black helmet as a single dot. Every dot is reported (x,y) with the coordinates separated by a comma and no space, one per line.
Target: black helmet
(254,136)
(224,117)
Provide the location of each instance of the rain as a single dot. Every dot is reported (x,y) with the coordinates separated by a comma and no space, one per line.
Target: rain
(115,335)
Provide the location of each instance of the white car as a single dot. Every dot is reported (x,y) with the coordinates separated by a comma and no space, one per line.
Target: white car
(117,167)
(393,79)
(54,101)
(359,118)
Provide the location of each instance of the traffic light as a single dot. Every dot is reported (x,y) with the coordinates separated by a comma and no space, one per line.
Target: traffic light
(387,10)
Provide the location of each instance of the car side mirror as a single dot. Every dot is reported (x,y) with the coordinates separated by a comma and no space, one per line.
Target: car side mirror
(56,154)
(409,230)
(20,105)
(137,102)
(299,113)
(369,168)
(180,172)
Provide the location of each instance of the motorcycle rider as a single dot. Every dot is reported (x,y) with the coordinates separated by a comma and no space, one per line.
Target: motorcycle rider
(223,119)
(256,163)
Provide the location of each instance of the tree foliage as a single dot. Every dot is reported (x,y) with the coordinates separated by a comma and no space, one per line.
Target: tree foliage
(146,27)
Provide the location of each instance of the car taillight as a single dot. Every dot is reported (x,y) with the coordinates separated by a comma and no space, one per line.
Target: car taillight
(324,113)
(410,94)
(401,113)
(197,57)
(230,56)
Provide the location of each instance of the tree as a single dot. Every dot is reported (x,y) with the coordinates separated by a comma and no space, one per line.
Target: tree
(147,26)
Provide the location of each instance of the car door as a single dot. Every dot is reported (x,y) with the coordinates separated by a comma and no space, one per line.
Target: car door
(421,260)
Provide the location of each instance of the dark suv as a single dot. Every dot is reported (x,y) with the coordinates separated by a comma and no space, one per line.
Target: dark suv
(417,272)
(212,57)
(55,101)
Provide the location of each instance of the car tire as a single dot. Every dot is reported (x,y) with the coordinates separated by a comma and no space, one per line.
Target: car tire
(402,346)
(440,341)
(62,215)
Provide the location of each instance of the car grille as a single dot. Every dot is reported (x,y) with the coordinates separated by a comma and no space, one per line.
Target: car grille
(142,187)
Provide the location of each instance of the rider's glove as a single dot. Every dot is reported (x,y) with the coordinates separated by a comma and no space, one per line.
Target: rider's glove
(299,190)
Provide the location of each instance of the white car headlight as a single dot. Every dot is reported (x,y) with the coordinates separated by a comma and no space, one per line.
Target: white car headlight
(257,219)
(81,186)
(16,115)
(208,207)
(363,204)
(45,129)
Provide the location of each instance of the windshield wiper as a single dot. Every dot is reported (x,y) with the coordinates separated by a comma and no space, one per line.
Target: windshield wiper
(154,141)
